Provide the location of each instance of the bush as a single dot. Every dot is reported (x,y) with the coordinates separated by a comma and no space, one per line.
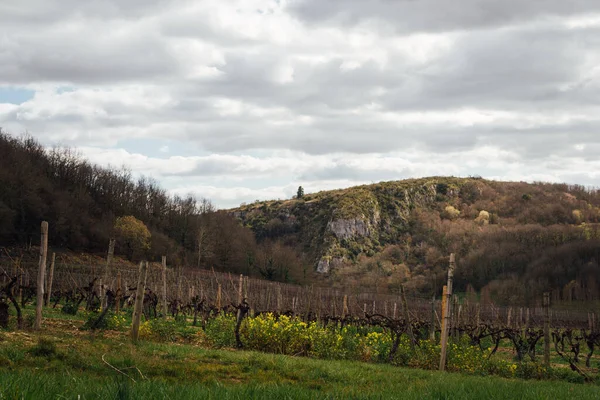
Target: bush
(158,329)
(450,213)
(220,331)
(292,336)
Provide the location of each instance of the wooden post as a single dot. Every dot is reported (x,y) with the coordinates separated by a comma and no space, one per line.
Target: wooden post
(118,293)
(164,287)
(446,317)
(41,276)
(345,306)
(444,309)
(454,317)
(547,328)
(179,299)
(109,256)
(309,299)
(219,296)
(50,279)
(240,290)
(278,300)
(432,327)
(139,301)
(407,316)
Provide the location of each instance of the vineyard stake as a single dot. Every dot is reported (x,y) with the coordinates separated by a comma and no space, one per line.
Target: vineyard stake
(109,257)
(50,278)
(407,316)
(218,296)
(444,304)
(240,289)
(447,313)
(432,328)
(41,276)
(279,298)
(164,287)
(118,293)
(139,301)
(547,329)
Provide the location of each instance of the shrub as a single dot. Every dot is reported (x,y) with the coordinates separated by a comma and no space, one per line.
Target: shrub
(159,330)
(450,213)
(220,330)
(117,322)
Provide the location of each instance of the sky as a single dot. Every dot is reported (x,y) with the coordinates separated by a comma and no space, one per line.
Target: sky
(244,100)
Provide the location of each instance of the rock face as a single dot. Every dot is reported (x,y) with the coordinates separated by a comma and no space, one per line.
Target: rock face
(336,226)
(349,228)
(325,264)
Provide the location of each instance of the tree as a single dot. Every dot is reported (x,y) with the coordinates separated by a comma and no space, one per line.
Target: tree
(134,234)
(205,230)
(300,193)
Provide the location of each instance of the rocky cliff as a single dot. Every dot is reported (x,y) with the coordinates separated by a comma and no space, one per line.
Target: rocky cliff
(336,226)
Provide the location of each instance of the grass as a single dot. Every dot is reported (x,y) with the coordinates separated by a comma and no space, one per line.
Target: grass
(62,363)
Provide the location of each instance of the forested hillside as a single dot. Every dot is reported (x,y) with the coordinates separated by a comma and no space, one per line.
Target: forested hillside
(82,202)
(513,240)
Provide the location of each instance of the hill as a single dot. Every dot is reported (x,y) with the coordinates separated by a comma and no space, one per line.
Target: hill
(513,240)
(82,202)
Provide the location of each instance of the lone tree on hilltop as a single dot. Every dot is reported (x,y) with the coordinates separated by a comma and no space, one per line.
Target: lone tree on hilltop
(300,193)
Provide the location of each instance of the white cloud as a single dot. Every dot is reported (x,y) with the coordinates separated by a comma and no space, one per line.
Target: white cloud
(248,99)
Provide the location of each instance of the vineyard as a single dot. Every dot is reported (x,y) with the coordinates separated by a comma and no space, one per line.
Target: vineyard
(237,311)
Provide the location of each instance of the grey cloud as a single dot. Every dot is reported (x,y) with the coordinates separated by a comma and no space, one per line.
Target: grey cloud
(534,68)
(341,171)
(20,13)
(407,16)
(83,60)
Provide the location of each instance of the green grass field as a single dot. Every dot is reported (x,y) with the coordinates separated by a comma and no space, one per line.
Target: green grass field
(64,362)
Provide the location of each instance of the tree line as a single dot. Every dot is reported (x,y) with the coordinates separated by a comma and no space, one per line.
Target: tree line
(82,203)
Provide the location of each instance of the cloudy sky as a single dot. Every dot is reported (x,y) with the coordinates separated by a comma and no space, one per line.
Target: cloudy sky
(240,100)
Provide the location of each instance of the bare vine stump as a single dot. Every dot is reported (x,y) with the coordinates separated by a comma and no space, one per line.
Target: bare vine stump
(3,314)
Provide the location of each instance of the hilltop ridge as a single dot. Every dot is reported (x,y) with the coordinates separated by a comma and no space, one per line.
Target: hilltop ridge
(390,232)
